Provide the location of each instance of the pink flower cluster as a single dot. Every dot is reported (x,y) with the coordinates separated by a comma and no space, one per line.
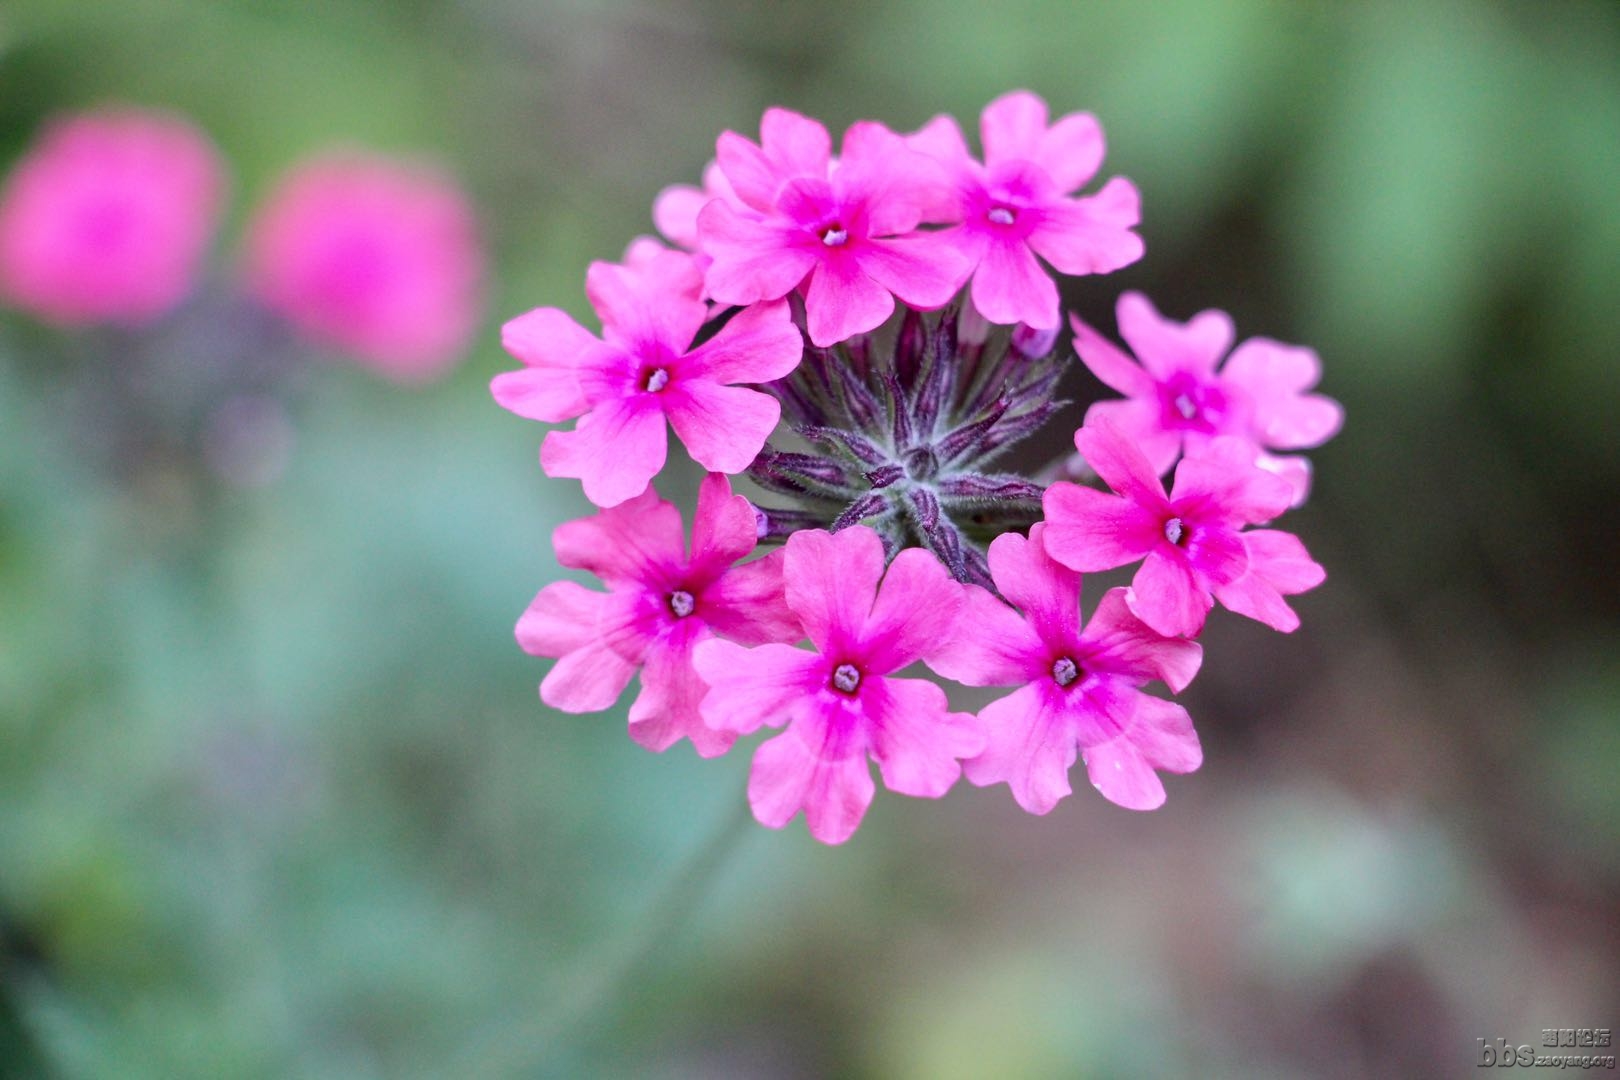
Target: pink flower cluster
(788,261)
(109,218)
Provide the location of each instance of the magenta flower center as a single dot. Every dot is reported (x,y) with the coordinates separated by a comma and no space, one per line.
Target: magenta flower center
(681,603)
(1174,530)
(1187,403)
(1002,215)
(655,380)
(834,235)
(1064,671)
(846,678)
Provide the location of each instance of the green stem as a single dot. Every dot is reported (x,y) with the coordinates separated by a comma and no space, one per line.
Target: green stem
(584,1006)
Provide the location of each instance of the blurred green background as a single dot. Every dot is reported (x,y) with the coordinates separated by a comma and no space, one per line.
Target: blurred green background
(277,797)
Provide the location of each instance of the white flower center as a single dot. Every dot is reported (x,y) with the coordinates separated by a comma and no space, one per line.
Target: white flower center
(681,603)
(1174,530)
(657,379)
(1001,215)
(847,677)
(834,236)
(1064,671)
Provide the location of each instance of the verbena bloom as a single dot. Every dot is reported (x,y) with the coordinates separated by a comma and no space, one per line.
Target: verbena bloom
(1190,541)
(643,369)
(1016,207)
(107,217)
(372,257)
(1179,396)
(840,704)
(1079,686)
(663,600)
(845,231)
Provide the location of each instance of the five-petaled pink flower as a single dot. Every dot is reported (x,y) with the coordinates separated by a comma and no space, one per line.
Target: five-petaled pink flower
(374,258)
(839,703)
(107,218)
(1079,687)
(844,231)
(662,602)
(1194,548)
(1177,401)
(642,370)
(1017,205)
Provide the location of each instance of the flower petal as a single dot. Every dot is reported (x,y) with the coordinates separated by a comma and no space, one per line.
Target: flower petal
(753,260)
(666,710)
(1121,465)
(640,541)
(722,427)
(1012,127)
(767,685)
(1164,346)
(1091,235)
(831,580)
(1276,376)
(917,742)
(788,775)
(1278,566)
(641,310)
(615,450)
(1030,747)
(759,344)
(1071,151)
(748,603)
(1109,362)
(1011,286)
(1117,642)
(993,645)
(1165,595)
(914,613)
(723,527)
(843,301)
(1090,530)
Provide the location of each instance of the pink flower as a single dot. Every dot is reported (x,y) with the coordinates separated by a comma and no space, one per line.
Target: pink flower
(374,258)
(1016,206)
(1177,400)
(107,218)
(661,603)
(838,703)
(845,232)
(642,370)
(1192,540)
(676,208)
(1078,687)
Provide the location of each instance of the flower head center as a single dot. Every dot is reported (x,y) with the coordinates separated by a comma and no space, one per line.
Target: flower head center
(1185,406)
(1174,530)
(834,235)
(1064,671)
(846,678)
(656,380)
(1002,215)
(681,603)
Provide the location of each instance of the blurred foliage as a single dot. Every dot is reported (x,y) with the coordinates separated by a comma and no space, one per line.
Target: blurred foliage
(277,797)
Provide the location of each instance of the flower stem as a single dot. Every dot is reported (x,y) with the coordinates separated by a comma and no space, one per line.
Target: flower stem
(584,1006)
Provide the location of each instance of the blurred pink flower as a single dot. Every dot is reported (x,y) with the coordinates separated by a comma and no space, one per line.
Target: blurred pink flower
(374,258)
(840,705)
(108,216)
